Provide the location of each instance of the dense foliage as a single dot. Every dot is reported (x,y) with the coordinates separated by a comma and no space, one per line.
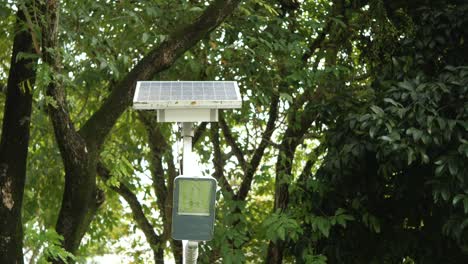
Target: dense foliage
(350,146)
(397,161)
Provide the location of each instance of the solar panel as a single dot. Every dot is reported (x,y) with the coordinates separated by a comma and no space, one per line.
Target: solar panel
(186,94)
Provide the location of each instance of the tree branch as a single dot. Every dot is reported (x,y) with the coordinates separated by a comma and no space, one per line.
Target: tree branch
(158,146)
(160,58)
(161,149)
(69,141)
(306,171)
(171,174)
(219,162)
(232,141)
(31,27)
(258,154)
(137,211)
(199,131)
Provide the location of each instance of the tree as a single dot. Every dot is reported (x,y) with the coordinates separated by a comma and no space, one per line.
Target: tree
(15,138)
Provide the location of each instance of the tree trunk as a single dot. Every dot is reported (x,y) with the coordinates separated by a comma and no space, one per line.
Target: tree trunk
(81,198)
(282,179)
(14,144)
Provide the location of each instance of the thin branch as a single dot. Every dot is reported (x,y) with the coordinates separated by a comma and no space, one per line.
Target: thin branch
(199,131)
(158,146)
(157,170)
(172,171)
(232,142)
(160,149)
(37,46)
(219,161)
(258,154)
(306,171)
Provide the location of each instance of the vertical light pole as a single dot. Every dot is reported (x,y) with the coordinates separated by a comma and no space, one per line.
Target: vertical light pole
(190,248)
(193,211)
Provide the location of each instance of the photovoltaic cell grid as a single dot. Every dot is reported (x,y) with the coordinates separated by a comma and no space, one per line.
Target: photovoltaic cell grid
(152,91)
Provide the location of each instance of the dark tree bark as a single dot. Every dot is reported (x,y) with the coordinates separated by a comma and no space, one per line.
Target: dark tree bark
(14,143)
(291,139)
(80,148)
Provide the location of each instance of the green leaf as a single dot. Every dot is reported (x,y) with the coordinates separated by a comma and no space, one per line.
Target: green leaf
(196,9)
(393,102)
(417,134)
(395,136)
(287,97)
(50,101)
(439,170)
(323,225)
(27,56)
(465,204)
(453,168)
(386,138)
(378,110)
(406,85)
(464,224)
(281,233)
(425,158)
(445,195)
(145,37)
(457,198)
(411,156)
(372,131)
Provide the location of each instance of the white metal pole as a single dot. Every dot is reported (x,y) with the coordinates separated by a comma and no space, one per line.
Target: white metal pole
(190,254)
(187,134)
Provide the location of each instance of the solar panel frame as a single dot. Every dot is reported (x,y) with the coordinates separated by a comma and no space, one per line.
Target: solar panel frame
(186,94)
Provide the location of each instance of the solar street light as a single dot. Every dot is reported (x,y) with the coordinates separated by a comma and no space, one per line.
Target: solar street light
(194,196)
